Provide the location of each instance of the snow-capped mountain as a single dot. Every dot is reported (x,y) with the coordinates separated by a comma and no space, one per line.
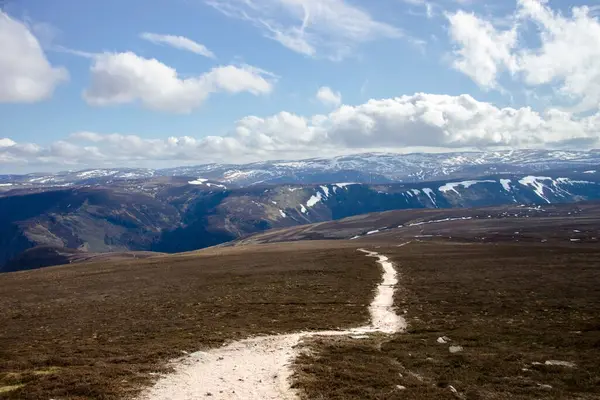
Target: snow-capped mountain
(182,214)
(361,168)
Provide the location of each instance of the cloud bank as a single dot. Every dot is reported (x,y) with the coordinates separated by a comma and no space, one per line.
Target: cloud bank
(396,124)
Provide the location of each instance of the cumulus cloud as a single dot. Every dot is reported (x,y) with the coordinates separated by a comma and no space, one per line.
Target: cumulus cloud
(558,51)
(329,28)
(6,142)
(119,78)
(569,52)
(178,42)
(421,121)
(328,97)
(482,51)
(26,76)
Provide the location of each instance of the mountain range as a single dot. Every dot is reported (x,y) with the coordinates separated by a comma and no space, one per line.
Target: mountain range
(42,224)
(360,168)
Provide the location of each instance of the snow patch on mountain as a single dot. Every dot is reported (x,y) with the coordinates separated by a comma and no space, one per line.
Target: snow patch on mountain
(430,193)
(537,183)
(198,181)
(506,184)
(451,186)
(345,185)
(216,185)
(314,200)
(96,173)
(43,179)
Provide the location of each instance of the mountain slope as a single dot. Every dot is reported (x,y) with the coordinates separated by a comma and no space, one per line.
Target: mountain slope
(174,216)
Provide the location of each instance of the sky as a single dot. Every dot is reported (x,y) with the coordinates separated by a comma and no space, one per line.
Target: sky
(160,83)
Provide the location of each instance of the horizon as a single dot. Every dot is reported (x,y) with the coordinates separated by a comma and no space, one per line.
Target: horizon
(284,161)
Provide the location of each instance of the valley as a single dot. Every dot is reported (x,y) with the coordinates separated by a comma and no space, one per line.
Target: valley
(168,215)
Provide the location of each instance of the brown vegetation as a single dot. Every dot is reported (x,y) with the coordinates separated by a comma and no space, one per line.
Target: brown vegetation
(511,307)
(100,330)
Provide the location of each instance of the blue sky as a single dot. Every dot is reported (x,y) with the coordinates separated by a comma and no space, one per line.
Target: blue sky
(156,82)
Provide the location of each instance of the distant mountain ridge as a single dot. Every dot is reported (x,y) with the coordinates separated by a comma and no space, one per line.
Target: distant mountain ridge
(360,168)
(178,214)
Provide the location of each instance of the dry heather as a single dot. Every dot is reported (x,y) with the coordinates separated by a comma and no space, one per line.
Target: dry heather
(100,330)
(510,307)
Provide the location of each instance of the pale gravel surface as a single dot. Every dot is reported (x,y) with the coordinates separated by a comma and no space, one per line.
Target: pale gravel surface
(260,368)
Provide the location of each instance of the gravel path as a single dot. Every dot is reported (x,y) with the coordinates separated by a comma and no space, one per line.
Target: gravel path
(259,368)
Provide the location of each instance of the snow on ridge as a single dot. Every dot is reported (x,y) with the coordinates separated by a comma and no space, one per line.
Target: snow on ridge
(216,184)
(303,209)
(283,214)
(314,200)
(43,179)
(96,173)
(593,171)
(569,181)
(431,195)
(538,187)
(292,164)
(538,183)
(325,191)
(506,184)
(344,185)
(451,186)
(198,181)
(5,184)
(372,232)
(128,175)
(416,191)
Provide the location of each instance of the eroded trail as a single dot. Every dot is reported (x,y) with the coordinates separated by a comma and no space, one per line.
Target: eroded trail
(260,368)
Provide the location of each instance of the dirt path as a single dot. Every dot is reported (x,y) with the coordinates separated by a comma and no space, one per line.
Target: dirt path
(259,368)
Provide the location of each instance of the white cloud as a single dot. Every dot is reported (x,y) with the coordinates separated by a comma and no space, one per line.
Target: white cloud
(482,51)
(178,42)
(119,78)
(421,121)
(330,28)
(6,142)
(556,51)
(328,97)
(26,76)
(569,53)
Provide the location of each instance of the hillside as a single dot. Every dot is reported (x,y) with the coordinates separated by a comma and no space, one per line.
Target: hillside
(173,215)
(577,222)
(103,329)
